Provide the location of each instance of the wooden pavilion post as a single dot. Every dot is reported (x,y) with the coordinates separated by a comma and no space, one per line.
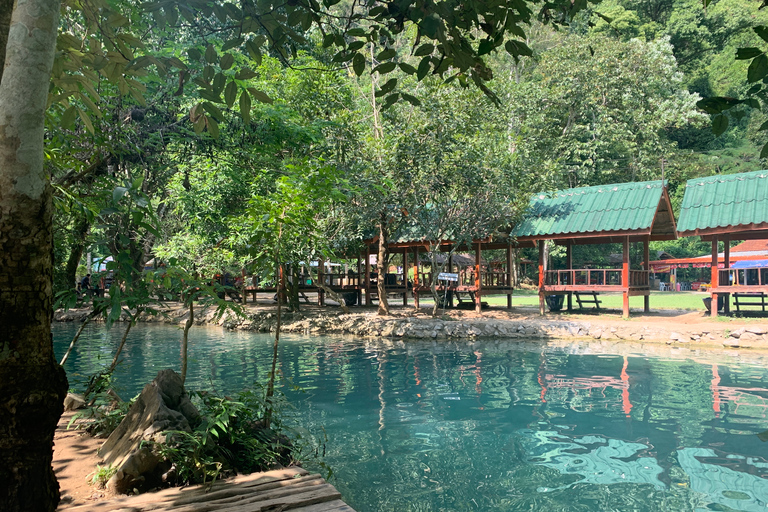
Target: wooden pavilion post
(478,280)
(357,285)
(450,269)
(509,276)
(405,277)
(321,279)
(367,283)
(727,264)
(415,278)
(625,277)
(569,266)
(541,275)
(713,279)
(647,268)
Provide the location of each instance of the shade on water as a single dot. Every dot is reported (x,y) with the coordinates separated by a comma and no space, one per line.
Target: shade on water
(493,425)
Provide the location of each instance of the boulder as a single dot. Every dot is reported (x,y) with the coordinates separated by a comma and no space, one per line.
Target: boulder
(162,405)
(73,401)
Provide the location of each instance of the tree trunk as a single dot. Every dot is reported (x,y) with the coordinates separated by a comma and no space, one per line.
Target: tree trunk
(185,337)
(381,265)
(32,385)
(87,320)
(82,227)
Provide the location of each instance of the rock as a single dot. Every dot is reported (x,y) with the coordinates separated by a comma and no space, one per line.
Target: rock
(676,336)
(758,329)
(162,405)
(73,401)
(738,332)
(596,333)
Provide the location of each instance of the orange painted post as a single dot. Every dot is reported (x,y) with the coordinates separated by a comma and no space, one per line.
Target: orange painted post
(727,263)
(569,264)
(647,268)
(625,277)
(713,279)
(478,291)
(541,275)
(509,276)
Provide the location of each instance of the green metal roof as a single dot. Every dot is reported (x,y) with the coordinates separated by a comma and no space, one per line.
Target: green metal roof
(624,207)
(717,203)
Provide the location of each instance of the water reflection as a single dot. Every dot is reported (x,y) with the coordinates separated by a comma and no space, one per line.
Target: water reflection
(493,425)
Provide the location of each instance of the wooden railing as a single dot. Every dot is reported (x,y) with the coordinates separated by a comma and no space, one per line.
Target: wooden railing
(594,277)
(488,279)
(754,276)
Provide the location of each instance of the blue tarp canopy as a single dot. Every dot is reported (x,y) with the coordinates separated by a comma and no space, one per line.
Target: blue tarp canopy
(750,264)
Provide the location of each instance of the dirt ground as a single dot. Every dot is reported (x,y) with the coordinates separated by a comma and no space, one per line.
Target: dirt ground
(74,462)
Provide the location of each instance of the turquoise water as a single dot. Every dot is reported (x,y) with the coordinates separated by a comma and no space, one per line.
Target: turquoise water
(492,426)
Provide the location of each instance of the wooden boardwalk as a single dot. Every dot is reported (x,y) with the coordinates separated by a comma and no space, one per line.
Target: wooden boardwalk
(292,489)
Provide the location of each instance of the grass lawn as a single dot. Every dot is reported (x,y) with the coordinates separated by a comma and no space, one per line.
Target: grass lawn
(659,300)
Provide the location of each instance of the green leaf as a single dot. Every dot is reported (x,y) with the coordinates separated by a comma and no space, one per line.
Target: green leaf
(761,31)
(219,81)
(210,54)
(385,67)
(719,124)
(763,127)
(68,118)
(245,107)
(517,48)
(213,110)
(118,193)
(747,53)
(764,151)
(177,63)
(230,94)
(407,68)
(232,43)
(424,67)
(194,54)
(245,74)
(260,96)
(716,105)
(430,25)
(358,64)
(254,51)
(356,32)
(413,100)
(425,49)
(227,60)
(390,100)
(199,124)
(355,46)
(386,54)
(757,69)
(213,127)
(389,86)
(86,120)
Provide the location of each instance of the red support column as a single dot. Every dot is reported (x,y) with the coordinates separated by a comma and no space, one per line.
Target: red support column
(713,279)
(569,265)
(478,280)
(647,268)
(625,277)
(509,276)
(541,275)
(727,263)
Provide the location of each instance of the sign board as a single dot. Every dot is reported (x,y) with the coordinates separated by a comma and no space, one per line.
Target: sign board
(445,276)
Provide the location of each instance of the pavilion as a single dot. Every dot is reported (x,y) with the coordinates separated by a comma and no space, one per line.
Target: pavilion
(727,208)
(619,213)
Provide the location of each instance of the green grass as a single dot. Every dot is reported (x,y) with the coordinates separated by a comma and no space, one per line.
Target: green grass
(659,300)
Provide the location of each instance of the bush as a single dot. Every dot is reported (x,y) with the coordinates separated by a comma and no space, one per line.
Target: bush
(230,438)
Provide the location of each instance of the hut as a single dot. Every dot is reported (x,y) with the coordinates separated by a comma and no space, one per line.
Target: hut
(619,213)
(730,208)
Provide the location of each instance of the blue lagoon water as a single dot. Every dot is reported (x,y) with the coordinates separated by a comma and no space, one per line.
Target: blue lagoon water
(491,425)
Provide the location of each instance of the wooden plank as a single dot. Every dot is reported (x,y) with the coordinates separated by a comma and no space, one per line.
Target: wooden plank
(329,506)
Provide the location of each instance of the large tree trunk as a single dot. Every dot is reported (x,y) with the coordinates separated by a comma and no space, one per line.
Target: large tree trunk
(381,265)
(32,385)
(82,227)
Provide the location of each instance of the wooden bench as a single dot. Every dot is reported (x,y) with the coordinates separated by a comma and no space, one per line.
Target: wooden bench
(750,299)
(591,299)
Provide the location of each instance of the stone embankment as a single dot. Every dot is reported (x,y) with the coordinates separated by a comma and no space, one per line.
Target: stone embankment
(736,333)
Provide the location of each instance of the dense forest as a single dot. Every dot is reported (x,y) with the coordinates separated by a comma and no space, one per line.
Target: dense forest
(207,140)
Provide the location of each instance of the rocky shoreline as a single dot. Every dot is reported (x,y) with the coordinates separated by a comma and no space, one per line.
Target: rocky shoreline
(684,329)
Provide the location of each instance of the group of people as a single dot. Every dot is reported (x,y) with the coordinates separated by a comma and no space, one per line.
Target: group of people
(87,287)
